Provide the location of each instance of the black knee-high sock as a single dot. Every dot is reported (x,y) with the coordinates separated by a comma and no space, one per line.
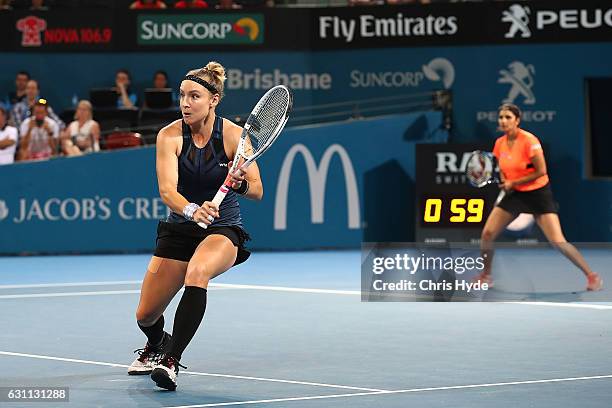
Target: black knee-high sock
(155,333)
(187,319)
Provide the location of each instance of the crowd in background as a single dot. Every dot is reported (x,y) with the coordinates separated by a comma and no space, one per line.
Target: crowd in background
(31,130)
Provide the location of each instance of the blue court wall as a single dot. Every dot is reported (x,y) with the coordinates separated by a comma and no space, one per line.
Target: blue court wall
(322,186)
(547,81)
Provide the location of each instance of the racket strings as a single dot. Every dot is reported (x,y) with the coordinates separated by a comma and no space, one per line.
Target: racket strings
(480,169)
(264,123)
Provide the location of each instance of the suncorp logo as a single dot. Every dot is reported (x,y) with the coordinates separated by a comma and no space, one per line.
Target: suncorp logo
(436,70)
(517,16)
(238,79)
(520,77)
(194,29)
(317,178)
(440,69)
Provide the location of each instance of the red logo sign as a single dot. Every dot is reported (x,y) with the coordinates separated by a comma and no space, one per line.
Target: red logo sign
(31,27)
(37,32)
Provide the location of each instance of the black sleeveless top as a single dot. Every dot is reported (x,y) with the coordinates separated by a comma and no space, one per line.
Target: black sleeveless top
(201,172)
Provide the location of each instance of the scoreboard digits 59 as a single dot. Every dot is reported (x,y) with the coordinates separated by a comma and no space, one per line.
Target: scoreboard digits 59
(449,209)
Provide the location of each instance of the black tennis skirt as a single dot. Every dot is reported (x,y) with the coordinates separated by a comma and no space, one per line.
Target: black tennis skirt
(539,201)
(180,240)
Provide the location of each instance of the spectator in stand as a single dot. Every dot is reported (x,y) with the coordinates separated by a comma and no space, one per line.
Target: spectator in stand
(14,97)
(39,134)
(365,2)
(126,98)
(8,139)
(23,110)
(83,134)
(5,5)
(148,4)
(160,82)
(38,5)
(190,4)
(160,79)
(396,2)
(227,5)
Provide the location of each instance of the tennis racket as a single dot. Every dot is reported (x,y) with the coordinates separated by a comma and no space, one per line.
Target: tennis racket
(262,128)
(482,170)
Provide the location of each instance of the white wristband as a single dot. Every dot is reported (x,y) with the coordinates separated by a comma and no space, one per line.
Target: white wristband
(189,210)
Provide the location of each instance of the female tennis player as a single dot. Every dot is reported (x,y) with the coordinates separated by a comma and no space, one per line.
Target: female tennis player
(524,177)
(193,158)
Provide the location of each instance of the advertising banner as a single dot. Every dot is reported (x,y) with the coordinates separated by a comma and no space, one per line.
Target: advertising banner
(465,23)
(191,29)
(58,31)
(331,28)
(319,192)
(449,209)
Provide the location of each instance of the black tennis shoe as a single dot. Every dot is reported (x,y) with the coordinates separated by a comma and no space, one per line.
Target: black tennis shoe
(165,372)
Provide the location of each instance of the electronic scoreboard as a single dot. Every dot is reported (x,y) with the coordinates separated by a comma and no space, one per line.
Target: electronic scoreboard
(448,207)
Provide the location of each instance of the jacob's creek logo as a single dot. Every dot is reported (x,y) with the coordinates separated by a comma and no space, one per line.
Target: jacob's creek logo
(201,29)
(4,212)
(36,32)
(369,26)
(83,209)
(437,70)
(520,78)
(520,17)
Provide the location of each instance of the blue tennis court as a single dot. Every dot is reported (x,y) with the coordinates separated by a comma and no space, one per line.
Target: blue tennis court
(299,336)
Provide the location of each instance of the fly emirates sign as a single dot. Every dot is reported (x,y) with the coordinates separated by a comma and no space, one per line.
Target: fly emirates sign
(370,26)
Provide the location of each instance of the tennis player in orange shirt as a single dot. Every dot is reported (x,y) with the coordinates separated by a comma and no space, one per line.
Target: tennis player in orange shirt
(525,179)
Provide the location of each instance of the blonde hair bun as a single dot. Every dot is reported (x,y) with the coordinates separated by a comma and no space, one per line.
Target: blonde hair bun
(216,70)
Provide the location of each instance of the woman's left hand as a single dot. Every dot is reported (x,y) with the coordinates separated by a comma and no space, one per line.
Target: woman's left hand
(237,177)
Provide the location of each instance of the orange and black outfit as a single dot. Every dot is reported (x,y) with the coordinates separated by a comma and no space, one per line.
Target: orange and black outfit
(534,197)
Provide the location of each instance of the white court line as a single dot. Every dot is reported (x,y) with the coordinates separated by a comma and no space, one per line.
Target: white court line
(406,391)
(237,286)
(212,284)
(570,305)
(286,289)
(238,377)
(65,294)
(67,284)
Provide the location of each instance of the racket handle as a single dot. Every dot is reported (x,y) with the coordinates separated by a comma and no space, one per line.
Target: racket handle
(500,197)
(221,193)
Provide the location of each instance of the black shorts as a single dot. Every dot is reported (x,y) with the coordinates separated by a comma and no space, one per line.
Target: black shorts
(179,241)
(540,201)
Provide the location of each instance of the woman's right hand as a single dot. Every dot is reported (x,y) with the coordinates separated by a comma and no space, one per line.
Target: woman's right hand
(208,209)
(507,185)
(120,87)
